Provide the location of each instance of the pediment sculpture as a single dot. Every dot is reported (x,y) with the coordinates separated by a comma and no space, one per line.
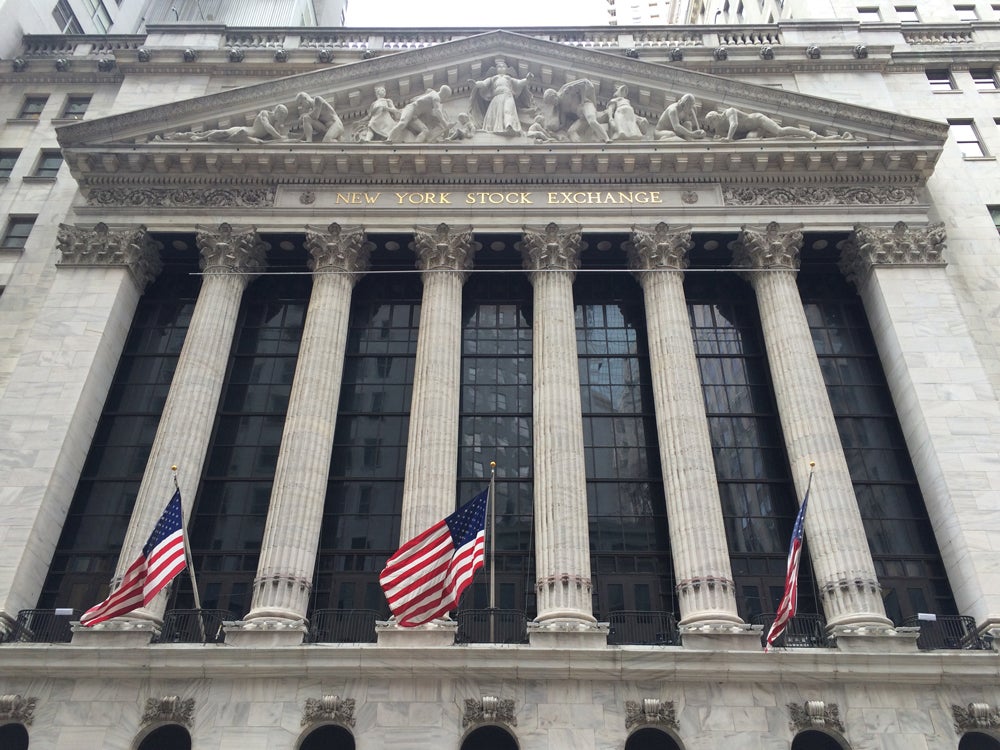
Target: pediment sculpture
(501,106)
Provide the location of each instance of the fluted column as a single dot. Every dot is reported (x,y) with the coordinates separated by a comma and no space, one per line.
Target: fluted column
(295,514)
(842,562)
(697,532)
(562,546)
(444,255)
(941,389)
(230,258)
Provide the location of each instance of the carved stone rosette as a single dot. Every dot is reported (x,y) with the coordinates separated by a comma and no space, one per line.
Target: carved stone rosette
(169,708)
(489,710)
(329,708)
(131,247)
(768,247)
(659,247)
(338,249)
(891,246)
(651,711)
(549,249)
(975,716)
(443,248)
(228,249)
(814,715)
(17,708)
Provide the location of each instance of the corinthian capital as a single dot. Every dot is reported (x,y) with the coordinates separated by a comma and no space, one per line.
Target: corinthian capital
(131,247)
(443,248)
(228,249)
(899,245)
(338,249)
(768,247)
(659,247)
(550,249)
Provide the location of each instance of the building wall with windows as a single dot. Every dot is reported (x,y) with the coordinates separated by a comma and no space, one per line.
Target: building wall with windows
(652,335)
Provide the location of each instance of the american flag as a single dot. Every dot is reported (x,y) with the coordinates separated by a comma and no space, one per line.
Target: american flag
(790,601)
(428,574)
(162,558)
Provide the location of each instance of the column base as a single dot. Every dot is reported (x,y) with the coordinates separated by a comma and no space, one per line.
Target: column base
(721,636)
(117,633)
(567,633)
(266,632)
(432,634)
(875,639)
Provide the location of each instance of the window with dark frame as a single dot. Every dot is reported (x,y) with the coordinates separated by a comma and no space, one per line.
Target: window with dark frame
(967,138)
(48,164)
(16,234)
(907,14)
(76,106)
(966,12)
(31,108)
(985,79)
(940,79)
(99,15)
(65,18)
(869,15)
(7,161)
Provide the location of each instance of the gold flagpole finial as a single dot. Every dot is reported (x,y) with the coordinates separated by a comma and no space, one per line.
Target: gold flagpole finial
(812,464)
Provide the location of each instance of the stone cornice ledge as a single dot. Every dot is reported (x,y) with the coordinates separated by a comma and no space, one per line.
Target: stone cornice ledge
(500,662)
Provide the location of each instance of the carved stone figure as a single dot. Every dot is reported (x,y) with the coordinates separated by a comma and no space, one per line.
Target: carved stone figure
(679,121)
(733,124)
(268,125)
(464,128)
(495,101)
(578,111)
(423,117)
(538,132)
(317,115)
(382,118)
(623,123)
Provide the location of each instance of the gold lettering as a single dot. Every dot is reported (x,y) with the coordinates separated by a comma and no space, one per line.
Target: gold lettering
(470,199)
(553,197)
(401,197)
(526,198)
(371,198)
(628,197)
(654,197)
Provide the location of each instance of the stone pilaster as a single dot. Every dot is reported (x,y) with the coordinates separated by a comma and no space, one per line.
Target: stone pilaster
(658,256)
(52,401)
(295,514)
(230,259)
(943,398)
(842,562)
(562,548)
(444,256)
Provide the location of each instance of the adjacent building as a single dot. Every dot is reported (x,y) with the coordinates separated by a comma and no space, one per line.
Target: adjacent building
(669,279)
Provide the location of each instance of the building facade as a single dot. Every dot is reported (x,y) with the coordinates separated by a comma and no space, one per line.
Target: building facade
(668,280)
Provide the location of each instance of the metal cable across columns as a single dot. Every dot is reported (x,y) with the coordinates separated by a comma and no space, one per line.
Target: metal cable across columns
(562,550)
(295,513)
(842,561)
(658,256)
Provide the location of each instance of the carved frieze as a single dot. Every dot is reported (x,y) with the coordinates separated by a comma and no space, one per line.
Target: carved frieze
(443,248)
(550,249)
(101,246)
(899,245)
(229,249)
(329,708)
(17,708)
(650,711)
(975,716)
(814,715)
(489,710)
(338,249)
(819,196)
(169,708)
(182,197)
(768,247)
(659,247)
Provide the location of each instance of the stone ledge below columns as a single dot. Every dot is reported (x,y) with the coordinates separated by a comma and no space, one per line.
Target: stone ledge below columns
(875,639)
(118,633)
(436,633)
(558,633)
(721,636)
(263,632)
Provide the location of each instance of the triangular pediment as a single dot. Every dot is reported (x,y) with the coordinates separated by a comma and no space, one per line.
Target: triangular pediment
(554,85)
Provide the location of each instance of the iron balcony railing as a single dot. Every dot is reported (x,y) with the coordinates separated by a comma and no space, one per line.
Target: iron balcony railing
(194,626)
(948,632)
(343,626)
(635,628)
(42,626)
(802,631)
(492,626)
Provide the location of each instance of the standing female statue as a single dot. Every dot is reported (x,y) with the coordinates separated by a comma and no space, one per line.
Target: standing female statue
(495,100)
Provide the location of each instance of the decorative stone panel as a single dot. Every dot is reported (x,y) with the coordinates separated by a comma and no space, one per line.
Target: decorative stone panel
(489,710)
(17,708)
(814,715)
(329,708)
(659,247)
(975,716)
(891,246)
(443,248)
(169,708)
(819,196)
(549,249)
(231,249)
(650,711)
(101,246)
(338,249)
(143,197)
(768,247)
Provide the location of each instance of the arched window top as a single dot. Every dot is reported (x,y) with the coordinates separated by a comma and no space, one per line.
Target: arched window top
(651,738)
(813,739)
(328,737)
(13,737)
(978,741)
(167,737)
(489,738)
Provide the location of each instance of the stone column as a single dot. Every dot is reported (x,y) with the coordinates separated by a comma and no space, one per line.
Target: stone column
(842,562)
(941,390)
(562,543)
(295,514)
(57,387)
(658,255)
(230,259)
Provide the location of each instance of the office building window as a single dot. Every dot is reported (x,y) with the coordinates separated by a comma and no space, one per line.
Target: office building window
(31,107)
(65,18)
(907,14)
(869,15)
(16,233)
(76,106)
(995,215)
(966,12)
(967,137)
(99,15)
(940,79)
(985,79)
(48,164)
(7,161)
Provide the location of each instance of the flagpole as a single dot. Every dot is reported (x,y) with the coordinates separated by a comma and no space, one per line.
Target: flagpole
(190,561)
(491,501)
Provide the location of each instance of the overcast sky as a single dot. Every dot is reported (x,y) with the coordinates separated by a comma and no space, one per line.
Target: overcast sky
(491,13)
